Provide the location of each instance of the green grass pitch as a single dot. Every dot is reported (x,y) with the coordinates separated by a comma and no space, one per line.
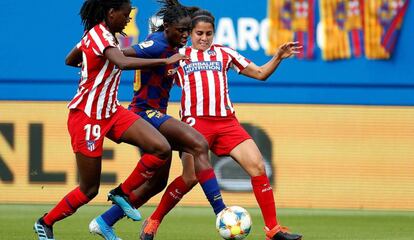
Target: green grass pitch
(189,223)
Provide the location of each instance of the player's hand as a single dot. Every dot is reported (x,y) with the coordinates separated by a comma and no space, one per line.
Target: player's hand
(288,49)
(175,58)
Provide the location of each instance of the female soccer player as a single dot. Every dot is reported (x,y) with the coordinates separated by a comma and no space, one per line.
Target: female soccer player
(206,106)
(151,96)
(95,112)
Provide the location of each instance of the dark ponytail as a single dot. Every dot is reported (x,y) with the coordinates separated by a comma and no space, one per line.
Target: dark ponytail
(171,11)
(94,11)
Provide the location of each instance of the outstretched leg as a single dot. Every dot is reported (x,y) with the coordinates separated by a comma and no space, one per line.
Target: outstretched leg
(89,172)
(156,148)
(248,155)
(172,195)
(157,152)
(188,140)
(184,138)
(138,197)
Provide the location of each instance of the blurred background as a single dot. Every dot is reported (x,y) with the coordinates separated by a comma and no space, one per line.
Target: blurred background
(335,124)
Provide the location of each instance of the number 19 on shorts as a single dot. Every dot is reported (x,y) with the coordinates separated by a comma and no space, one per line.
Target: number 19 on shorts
(92,131)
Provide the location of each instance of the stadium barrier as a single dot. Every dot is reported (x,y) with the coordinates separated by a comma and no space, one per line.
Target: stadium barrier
(318,156)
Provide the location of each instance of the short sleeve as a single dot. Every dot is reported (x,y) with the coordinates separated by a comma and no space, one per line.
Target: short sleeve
(149,49)
(102,38)
(238,61)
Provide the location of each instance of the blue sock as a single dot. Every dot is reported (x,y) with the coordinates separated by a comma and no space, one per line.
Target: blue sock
(113,215)
(209,184)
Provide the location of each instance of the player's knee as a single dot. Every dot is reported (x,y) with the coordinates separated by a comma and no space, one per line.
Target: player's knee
(260,168)
(190,180)
(90,192)
(200,146)
(162,150)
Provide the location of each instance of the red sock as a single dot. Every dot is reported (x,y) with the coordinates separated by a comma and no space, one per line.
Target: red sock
(264,196)
(172,195)
(205,175)
(143,171)
(66,207)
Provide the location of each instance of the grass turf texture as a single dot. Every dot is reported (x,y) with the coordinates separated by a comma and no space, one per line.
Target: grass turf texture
(185,223)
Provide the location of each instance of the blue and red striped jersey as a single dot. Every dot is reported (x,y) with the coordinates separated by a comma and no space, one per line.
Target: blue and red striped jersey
(152,85)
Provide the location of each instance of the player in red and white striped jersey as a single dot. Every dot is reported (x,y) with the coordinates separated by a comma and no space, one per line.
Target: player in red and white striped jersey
(204,80)
(95,113)
(97,93)
(98,87)
(206,106)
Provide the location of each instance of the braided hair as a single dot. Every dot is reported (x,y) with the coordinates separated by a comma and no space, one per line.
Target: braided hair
(171,12)
(94,11)
(202,15)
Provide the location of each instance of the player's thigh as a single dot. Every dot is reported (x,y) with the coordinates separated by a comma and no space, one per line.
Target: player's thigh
(145,136)
(182,137)
(248,155)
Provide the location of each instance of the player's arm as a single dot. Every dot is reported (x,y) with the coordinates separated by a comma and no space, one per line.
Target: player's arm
(123,62)
(129,52)
(263,72)
(74,58)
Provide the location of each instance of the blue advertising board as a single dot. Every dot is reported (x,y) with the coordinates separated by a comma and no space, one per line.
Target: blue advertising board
(38,35)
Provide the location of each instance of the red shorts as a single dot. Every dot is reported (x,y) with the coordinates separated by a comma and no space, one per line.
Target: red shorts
(223,134)
(87,134)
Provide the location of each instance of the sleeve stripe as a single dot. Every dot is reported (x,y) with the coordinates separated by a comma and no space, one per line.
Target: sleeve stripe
(97,40)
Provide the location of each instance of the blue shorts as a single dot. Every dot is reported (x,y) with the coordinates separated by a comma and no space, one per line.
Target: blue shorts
(154,117)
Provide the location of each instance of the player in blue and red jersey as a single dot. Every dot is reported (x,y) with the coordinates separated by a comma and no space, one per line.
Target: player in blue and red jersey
(152,86)
(151,95)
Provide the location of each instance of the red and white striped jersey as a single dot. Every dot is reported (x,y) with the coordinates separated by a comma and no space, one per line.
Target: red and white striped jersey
(203,80)
(98,86)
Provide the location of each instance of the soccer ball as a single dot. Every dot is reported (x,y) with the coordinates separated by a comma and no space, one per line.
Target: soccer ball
(233,223)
